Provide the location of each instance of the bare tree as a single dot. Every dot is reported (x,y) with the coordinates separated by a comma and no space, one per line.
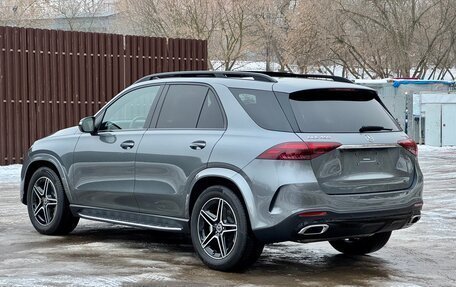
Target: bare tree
(173,18)
(17,12)
(306,44)
(272,25)
(222,23)
(358,38)
(72,12)
(392,37)
(231,38)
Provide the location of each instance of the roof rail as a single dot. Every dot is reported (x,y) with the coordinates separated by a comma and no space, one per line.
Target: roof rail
(305,76)
(209,74)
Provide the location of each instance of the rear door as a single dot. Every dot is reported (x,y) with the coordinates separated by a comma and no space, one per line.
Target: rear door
(369,159)
(103,170)
(176,147)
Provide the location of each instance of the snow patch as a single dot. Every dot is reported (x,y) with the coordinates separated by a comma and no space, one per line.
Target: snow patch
(428,148)
(245,66)
(369,81)
(10,173)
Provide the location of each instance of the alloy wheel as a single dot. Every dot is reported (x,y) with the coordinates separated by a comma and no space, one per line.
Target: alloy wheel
(217,228)
(44,200)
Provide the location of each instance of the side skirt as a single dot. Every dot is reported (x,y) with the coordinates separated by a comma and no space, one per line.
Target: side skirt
(135,219)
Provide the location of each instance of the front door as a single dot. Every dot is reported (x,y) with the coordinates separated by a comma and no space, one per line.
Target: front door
(103,170)
(178,146)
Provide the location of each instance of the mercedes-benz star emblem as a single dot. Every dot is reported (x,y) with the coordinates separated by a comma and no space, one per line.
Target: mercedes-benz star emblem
(369,138)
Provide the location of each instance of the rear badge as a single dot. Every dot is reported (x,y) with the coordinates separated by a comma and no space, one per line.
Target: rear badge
(318,137)
(369,138)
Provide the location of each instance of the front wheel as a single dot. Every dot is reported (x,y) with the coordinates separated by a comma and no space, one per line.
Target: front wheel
(220,231)
(361,245)
(47,205)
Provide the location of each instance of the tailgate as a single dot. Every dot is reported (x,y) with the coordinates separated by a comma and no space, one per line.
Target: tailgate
(355,169)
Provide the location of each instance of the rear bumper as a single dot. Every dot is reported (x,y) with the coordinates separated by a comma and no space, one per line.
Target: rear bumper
(340,225)
(286,188)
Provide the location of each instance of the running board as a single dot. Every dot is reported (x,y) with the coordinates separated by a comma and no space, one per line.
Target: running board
(133,219)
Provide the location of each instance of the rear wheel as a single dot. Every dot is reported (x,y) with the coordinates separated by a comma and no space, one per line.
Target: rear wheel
(220,231)
(361,245)
(47,205)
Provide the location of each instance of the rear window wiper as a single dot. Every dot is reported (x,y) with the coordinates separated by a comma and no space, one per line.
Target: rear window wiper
(364,129)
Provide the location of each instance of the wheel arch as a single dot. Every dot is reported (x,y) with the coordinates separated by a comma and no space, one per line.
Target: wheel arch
(44,161)
(226,177)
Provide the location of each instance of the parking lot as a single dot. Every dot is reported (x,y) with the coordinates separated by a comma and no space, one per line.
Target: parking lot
(99,254)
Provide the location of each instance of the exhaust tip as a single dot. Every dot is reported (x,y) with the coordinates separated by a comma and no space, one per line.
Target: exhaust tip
(414,219)
(314,229)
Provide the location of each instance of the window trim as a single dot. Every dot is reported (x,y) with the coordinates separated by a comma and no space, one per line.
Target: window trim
(156,116)
(99,117)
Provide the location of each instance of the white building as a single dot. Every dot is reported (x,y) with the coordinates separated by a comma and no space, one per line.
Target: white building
(425,109)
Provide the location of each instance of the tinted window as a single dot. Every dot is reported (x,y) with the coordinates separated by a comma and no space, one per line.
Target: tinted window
(263,108)
(339,111)
(130,111)
(182,106)
(211,116)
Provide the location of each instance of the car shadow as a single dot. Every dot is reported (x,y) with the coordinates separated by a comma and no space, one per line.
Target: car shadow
(130,237)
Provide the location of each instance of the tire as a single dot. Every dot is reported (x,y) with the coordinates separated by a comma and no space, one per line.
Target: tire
(47,205)
(362,245)
(225,242)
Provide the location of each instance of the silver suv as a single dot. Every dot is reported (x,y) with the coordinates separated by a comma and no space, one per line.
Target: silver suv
(235,159)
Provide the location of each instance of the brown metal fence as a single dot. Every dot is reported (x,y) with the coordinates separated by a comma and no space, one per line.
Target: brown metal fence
(50,79)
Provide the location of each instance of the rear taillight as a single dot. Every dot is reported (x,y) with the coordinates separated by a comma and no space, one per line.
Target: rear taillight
(409,145)
(298,150)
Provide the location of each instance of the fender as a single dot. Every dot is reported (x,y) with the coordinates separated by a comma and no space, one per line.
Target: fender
(58,165)
(235,177)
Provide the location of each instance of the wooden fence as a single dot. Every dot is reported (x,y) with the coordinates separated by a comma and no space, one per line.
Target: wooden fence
(50,79)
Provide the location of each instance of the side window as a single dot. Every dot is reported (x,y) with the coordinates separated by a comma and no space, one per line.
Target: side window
(263,108)
(211,116)
(182,106)
(130,111)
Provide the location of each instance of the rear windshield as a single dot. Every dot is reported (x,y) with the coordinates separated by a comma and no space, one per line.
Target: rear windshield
(329,111)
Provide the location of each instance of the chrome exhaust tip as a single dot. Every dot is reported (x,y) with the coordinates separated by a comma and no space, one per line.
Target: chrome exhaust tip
(314,229)
(414,219)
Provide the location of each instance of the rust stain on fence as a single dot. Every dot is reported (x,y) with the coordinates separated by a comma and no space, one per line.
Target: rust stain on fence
(50,79)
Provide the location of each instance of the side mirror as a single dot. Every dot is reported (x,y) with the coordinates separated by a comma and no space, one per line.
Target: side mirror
(87,125)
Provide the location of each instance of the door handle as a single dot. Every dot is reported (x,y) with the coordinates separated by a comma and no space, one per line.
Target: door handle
(198,145)
(127,144)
